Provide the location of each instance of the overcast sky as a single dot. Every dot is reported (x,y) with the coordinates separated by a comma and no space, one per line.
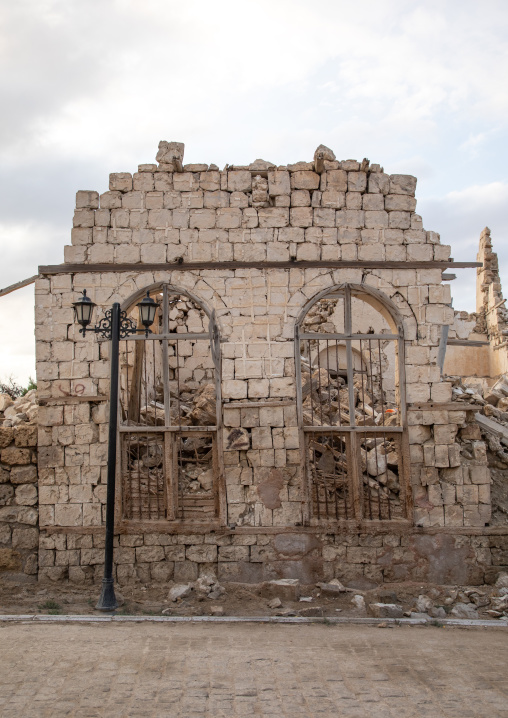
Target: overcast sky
(91,87)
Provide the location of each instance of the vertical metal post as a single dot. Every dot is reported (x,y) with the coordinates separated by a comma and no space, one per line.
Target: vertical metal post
(107,600)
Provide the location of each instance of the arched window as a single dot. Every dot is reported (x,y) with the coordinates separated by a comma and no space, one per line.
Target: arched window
(169,394)
(351,405)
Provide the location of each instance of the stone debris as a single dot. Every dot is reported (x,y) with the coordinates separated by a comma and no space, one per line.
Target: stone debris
(207,585)
(181,590)
(333,588)
(502,580)
(464,610)
(24,409)
(386,610)
(284,588)
(275,603)
(358,602)
(217,611)
(424,604)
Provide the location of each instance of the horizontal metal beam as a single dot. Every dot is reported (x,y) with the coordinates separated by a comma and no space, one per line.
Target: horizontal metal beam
(174,336)
(467,343)
(358,429)
(198,266)
(324,337)
(161,429)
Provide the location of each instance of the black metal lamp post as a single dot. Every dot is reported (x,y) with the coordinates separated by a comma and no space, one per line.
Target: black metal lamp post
(115,325)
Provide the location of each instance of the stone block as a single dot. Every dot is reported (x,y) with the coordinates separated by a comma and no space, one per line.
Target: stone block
(333,198)
(26,495)
(25,435)
(402,184)
(120,181)
(400,202)
(111,200)
(273,216)
(351,218)
(19,514)
(239,181)
(228,218)
(234,553)
(14,456)
(305,180)
(81,236)
(149,554)
(185,181)
(373,202)
(324,217)
(357,181)
(354,200)
(68,515)
(83,218)
(376,219)
(25,538)
(87,199)
(279,183)
(399,220)
(301,216)
(201,554)
(6,436)
(202,218)
(283,387)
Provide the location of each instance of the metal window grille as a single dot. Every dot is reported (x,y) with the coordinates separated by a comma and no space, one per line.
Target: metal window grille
(169,394)
(350,389)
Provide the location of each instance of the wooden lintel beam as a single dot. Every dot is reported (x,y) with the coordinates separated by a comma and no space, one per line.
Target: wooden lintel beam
(18,285)
(199,266)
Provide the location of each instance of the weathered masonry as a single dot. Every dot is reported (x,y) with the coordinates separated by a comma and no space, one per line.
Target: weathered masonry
(287,417)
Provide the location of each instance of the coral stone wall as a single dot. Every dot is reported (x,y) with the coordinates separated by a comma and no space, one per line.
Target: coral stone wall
(19,530)
(324,210)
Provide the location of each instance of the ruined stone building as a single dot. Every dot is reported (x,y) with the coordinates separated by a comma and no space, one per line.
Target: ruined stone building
(300,408)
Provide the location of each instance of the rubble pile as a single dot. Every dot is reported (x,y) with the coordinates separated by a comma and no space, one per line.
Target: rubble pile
(24,409)
(326,403)
(492,427)
(192,406)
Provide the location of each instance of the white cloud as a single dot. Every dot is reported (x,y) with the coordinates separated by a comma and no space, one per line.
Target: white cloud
(90,88)
(460,216)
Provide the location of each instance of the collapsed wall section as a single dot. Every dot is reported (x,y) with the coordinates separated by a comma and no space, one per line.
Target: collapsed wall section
(133,238)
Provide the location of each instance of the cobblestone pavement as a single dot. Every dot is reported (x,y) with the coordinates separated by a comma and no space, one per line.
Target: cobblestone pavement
(220,670)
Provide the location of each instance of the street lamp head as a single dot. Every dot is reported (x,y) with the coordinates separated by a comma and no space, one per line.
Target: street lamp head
(147,308)
(83,310)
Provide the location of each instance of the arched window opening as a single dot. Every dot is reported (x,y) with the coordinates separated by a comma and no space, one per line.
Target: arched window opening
(169,385)
(349,356)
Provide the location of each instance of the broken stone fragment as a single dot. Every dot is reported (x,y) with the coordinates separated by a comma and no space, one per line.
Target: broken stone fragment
(261,166)
(285,588)
(464,610)
(275,603)
(358,602)
(217,610)
(324,153)
(376,462)
(333,588)
(423,604)
(502,580)
(437,612)
(181,590)
(170,153)
(386,610)
(5,401)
